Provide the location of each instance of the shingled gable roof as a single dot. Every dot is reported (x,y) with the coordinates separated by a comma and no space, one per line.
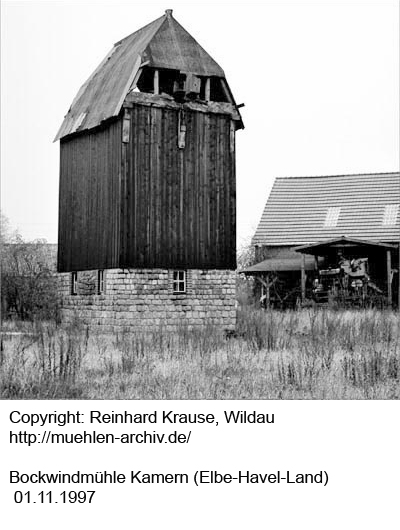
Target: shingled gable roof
(163,43)
(297,208)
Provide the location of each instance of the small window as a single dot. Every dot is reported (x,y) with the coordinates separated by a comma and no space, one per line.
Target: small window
(179,282)
(332,217)
(390,214)
(100,281)
(74,282)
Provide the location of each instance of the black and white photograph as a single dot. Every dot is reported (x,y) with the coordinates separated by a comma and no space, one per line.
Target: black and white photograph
(174,227)
(200,238)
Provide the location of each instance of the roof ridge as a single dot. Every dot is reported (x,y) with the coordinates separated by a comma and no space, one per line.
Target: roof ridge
(203,50)
(338,175)
(153,22)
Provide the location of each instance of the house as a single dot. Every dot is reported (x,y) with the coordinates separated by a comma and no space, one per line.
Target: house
(147,201)
(310,223)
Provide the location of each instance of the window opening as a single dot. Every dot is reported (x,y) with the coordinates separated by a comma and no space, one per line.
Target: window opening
(100,281)
(182,86)
(217,92)
(74,282)
(145,82)
(390,214)
(179,282)
(170,82)
(332,217)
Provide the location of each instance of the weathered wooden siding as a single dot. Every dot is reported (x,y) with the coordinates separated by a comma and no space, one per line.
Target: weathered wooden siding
(89,205)
(147,203)
(179,205)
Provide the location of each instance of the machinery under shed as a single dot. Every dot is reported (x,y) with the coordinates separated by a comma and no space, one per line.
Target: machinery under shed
(329,239)
(349,272)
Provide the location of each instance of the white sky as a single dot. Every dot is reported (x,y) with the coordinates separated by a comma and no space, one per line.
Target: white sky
(320,81)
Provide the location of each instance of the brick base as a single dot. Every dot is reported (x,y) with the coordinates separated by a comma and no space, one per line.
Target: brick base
(143,299)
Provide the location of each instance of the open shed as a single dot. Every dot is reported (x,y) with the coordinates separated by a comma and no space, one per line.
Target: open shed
(360,212)
(349,270)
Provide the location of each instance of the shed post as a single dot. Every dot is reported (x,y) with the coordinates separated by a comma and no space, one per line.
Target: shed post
(267,293)
(303,277)
(389,276)
(398,280)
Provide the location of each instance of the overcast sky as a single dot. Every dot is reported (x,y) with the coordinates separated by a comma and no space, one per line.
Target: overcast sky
(320,83)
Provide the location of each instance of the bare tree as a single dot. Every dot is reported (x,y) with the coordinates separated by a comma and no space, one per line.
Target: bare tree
(245,284)
(28,283)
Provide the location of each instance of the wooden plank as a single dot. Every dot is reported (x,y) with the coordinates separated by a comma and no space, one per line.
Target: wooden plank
(126,127)
(190,189)
(157,143)
(199,163)
(167,102)
(303,277)
(218,227)
(207,89)
(174,172)
(389,276)
(156,86)
(134,176)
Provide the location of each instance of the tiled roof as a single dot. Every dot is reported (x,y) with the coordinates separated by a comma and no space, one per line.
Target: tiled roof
(302,210)
(163,43)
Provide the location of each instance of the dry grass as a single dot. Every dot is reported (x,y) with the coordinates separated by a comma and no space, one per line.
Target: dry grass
(306,354)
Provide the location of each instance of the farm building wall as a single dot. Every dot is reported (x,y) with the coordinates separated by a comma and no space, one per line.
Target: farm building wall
(143,299)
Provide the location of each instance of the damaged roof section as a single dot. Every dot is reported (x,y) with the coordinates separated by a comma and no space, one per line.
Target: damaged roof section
(163,44)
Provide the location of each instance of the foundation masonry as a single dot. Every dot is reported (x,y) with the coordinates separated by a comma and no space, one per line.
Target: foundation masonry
(146,299)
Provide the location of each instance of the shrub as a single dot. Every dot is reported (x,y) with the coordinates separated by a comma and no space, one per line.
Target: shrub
(29,286)
(245,284)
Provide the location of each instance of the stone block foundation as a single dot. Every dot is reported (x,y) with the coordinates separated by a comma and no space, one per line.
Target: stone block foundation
(145,299)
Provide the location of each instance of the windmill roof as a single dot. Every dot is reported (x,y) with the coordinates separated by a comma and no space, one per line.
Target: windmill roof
(304,210)
(163,43)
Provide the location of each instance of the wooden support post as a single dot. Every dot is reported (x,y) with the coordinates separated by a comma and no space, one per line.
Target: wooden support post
(266,283)
(126,127)
(181,130)
(389,276)
(316,263)
(398,279)
(303,277)
(207,94)
(156,82)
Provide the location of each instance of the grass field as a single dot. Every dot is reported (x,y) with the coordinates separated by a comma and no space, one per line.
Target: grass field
(304,354)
